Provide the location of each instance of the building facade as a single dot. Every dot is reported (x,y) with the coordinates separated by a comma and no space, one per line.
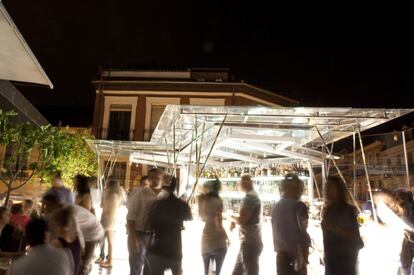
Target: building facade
(129,104)
(386,163)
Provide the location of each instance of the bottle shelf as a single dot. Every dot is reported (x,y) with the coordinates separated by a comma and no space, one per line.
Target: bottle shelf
(264,178)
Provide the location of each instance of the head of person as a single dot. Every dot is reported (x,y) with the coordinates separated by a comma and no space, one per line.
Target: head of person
(50,203)
(292,187)
(335,190)
(155,178)
(92,182)
(404,201)
(16,208)
(4,216)
(113,186)
(169,183)
(212,187)
(82,185)
(37,232)
(27,206)
(63,221)
(144,182)
(246,183)
(57,181)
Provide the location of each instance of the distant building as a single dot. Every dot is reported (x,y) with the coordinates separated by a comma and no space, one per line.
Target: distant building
(385,162)
(129,103)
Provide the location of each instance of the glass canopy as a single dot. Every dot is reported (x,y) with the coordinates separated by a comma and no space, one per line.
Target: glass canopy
(223,135)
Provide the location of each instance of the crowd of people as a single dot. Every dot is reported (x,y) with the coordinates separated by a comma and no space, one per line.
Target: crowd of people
(61,237)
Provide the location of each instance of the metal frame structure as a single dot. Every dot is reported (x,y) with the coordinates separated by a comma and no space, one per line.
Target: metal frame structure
(196,137)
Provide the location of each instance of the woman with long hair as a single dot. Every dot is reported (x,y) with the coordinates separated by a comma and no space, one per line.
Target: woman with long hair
(83,193)
(64,226)
(341,237)
(111,200)
(214,237)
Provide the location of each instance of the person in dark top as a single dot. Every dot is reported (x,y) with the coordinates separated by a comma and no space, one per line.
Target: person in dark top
(166,221)
(11,240)
(405,206)
(6,230)
(289,223)
(64,226)
(341,238)
(250,232)
(59,189)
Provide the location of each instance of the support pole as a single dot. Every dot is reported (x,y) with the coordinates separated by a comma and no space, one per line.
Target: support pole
(311,195)
(354,165)
(99,179)
(208,156)
(338,170)
(407,171)
(189,165)
(315,182)
(374,211)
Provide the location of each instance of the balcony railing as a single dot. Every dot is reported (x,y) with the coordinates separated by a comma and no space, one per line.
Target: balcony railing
(117,135)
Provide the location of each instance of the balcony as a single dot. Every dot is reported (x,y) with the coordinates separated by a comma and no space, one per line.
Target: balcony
(128,134)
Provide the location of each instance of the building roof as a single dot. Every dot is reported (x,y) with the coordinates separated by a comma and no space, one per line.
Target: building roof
(191,80)
(18,63)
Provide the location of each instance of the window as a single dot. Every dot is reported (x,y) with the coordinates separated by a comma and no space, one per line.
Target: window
(119,122)
(156,113)
(154,108)
(119,118)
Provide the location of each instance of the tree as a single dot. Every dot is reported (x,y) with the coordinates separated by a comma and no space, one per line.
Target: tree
(57,150)
(79,158)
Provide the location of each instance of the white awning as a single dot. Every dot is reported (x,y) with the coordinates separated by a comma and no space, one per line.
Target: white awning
(17,62)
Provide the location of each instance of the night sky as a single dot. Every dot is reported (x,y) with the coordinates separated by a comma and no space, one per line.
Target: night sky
(358,60)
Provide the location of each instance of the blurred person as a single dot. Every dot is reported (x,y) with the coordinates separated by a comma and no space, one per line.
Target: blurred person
(139,232)
(64,226)
(112,197)
(144,182)
(7,240)
(90,231)
(42,258)
(250,231)
(289,223)
(96,194)
(214,237)
(341,237)
(30,209)
(83,193)
(18,219)
(405,208)
(59,189)
(166,222)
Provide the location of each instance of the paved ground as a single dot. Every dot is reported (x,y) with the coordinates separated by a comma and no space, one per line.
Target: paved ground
(380,255)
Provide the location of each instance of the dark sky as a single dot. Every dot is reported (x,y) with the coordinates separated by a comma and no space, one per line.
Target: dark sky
(358,60)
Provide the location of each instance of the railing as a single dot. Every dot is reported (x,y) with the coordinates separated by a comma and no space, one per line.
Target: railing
(117,135)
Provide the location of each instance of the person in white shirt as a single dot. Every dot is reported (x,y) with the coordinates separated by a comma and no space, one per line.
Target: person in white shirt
(42,259)
(90,231)
(139,206)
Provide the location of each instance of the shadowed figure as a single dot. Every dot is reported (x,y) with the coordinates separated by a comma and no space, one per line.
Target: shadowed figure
(341,238)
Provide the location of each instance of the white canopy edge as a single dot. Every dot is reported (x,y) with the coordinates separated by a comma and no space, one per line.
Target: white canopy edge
(17,61)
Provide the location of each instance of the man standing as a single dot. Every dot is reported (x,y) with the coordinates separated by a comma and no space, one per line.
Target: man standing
(88,226)
(139,231)
(166,221)
(59,189)
(42,259)
(289,222)
(250,231)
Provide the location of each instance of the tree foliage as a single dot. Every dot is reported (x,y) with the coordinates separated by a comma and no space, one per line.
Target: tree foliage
(57,150)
